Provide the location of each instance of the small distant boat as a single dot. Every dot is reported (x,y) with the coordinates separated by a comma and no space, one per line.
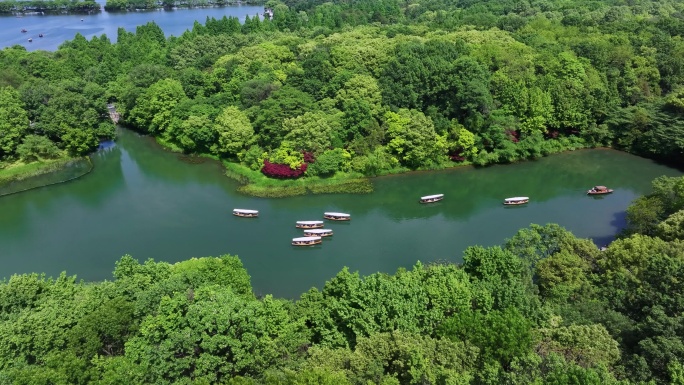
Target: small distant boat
(337,216)
(23,30)
(516,201)
(306,241)
(318,233)
(40,35)
(246,213)
(431,198)
(30,40)
(599,190)
(309,224)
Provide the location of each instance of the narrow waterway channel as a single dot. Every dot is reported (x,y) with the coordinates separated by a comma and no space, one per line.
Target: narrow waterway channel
(144,201)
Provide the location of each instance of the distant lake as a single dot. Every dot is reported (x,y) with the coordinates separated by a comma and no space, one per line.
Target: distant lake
(151,203)
(58,28)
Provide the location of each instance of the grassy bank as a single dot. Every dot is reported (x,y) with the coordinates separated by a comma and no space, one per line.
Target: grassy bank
(19,176)
(19,170)
(257,184)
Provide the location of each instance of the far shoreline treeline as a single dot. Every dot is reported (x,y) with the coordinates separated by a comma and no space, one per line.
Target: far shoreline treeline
(23,7)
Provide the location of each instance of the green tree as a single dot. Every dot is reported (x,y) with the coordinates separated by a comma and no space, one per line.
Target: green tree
(234,132)
(14,121)
(309,132)
(413,138)
(154,108)
(331,161)
(35,147)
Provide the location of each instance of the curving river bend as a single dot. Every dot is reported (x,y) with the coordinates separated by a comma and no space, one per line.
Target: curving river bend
(144,201)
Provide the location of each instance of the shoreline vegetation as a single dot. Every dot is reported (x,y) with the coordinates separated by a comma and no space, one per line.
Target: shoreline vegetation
(23,7)
(255,183)
(146,5)
(19,177)
(31,7)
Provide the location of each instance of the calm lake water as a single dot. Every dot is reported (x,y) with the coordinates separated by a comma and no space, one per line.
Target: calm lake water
(58,28)
(149,203)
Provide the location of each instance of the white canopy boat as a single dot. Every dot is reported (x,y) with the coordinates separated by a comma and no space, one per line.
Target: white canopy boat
(337,216)
(306,241)
(318,233)
(431,198)
(309,224)
(246,213)
(516,200)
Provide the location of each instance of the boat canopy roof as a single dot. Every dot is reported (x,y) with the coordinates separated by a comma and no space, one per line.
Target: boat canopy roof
(318,231)
(309,222)
(305,239)
(514,199)
(600,188)
(336,214)
(245,211)
(432,196)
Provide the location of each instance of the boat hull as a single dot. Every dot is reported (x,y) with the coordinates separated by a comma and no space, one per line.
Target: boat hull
(301,243)
(309,226)
(318,234)
(515,203)
(591,192)
(337,218)
(430,200)
(243,215)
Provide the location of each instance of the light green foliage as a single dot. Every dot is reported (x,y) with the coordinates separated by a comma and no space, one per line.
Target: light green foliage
(644,214)
(285,154)
(153,109)
(286,102)
(401,358)
(234,132)
(35,147)
(536,243)
(500,279)
(330,162)
(466,142)
(584,345)
(672,228)
(309,132)
(414,301)
(359,100)
(14,121)
(79,141)
(563,276)
(211,334)
(413,138)
(501,336)
(197,133)
(670,191)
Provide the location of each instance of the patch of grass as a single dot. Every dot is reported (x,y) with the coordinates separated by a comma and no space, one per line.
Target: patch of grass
(257,184)
(20,170)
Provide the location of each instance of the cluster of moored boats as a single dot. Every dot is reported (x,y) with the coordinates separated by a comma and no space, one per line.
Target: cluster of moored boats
(313,230)
(514,201)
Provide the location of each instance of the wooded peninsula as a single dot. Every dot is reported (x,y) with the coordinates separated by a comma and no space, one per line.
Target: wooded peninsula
(325,94)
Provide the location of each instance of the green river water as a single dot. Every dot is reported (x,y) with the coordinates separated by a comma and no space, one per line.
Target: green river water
(149,203)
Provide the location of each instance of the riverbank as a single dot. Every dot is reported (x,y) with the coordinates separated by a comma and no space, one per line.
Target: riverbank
(256,184)
(20,176)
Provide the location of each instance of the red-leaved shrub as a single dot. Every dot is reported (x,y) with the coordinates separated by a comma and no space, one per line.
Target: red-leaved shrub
(308,157)
(282,171)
